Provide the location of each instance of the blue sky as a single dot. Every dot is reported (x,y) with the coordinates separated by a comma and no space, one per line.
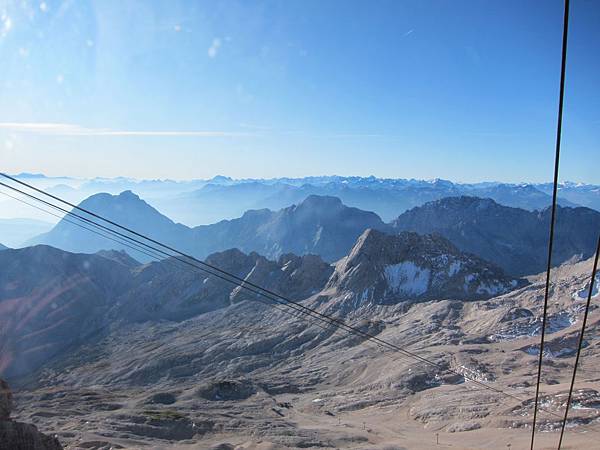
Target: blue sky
(463,90)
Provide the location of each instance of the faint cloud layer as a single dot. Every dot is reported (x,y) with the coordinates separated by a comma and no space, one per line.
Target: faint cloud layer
(68,129)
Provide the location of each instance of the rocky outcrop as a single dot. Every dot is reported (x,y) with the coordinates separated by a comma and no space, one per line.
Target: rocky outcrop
(17,435)
(384,268)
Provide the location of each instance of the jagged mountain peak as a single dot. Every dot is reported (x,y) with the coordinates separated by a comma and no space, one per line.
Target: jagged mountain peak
(386,268)
(375,243)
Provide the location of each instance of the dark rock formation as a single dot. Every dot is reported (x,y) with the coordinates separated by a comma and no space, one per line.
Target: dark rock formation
(17,435)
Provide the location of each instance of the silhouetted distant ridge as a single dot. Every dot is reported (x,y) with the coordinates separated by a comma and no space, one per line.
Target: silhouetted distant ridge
(127,209)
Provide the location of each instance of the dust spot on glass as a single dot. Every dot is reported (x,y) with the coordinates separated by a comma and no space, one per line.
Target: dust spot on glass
(5,24)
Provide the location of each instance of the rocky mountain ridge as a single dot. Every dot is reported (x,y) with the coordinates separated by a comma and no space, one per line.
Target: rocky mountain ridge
(52,300)
(514,239)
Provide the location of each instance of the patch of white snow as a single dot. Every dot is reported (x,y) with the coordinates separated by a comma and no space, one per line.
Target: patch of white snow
(407,278)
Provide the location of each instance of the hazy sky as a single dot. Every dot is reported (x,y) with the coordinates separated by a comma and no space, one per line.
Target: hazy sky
(463,90)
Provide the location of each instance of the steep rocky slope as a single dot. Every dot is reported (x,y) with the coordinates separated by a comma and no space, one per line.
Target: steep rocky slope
(167,290)
(50,300)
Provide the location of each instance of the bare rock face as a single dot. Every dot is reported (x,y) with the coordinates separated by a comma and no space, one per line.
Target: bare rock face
(23,436)
(17,435)
(6,402)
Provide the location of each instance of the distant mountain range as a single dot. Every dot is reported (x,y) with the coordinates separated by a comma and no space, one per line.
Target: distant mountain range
(388,198)
(318,225)
(513,238)
(196,202)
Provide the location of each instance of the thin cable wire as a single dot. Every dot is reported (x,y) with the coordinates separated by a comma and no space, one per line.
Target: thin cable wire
(248,286)
(240,282)
(585,316)
(66,219)
(553,214)
(159,258)
(154,256)
(169,261)
(236,280)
